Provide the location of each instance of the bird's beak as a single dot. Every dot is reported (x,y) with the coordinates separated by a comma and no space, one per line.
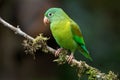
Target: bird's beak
(46,20)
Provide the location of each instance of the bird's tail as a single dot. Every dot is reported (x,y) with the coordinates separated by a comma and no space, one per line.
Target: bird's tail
(85,52)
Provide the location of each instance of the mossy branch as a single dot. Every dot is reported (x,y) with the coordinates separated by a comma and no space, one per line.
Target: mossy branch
(33,44)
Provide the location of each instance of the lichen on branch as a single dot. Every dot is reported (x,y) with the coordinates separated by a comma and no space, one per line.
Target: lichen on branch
(31,45)
(82,67)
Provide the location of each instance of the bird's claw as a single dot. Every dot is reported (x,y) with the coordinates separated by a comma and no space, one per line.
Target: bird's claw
(57,52)
(70,58)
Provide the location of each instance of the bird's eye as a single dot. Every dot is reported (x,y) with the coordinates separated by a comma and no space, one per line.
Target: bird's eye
(50,14)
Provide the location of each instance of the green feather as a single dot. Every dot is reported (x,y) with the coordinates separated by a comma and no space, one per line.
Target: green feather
(85,52)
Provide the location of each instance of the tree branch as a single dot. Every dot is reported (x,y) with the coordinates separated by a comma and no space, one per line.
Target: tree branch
(81,66)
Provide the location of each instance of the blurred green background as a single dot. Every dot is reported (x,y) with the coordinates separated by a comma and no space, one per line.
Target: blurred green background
(99,21)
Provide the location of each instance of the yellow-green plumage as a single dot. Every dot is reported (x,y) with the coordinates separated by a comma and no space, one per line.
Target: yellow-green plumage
(66,32)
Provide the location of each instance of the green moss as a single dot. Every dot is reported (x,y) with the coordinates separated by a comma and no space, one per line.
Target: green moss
(111,76)
(81,69)
(38,43)
(92,74)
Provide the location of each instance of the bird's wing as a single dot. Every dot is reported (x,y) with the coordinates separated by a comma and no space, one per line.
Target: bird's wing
(77,35)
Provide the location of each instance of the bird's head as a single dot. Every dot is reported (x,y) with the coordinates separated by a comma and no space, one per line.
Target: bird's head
(53,14)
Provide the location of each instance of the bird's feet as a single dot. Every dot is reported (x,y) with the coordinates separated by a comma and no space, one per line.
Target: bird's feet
(70,58)
(57,52)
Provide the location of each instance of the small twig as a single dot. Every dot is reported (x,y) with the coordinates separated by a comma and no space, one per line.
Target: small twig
(83,68)
(16,30)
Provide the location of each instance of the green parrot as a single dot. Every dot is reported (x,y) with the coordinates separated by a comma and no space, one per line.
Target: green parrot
(66,32)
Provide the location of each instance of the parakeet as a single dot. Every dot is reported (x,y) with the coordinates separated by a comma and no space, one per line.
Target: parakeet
(66,32)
